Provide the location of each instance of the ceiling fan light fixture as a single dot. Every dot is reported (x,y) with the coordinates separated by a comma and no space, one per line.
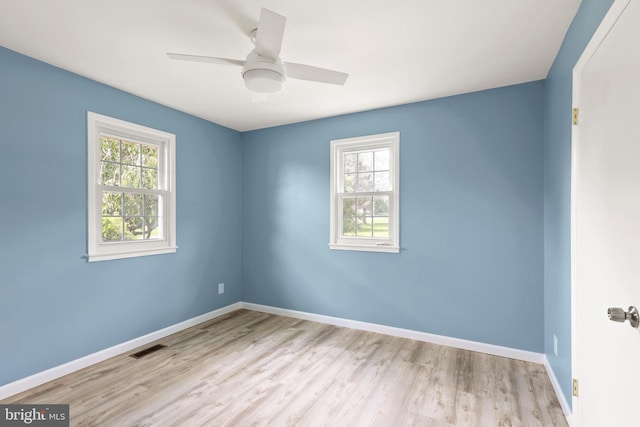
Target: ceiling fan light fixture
(261,80)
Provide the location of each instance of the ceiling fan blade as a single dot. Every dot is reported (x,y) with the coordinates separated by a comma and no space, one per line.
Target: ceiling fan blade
(315,74)
(270,34)
(209,59)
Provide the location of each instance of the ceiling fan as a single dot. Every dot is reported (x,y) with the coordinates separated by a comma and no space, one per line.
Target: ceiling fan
(263,71)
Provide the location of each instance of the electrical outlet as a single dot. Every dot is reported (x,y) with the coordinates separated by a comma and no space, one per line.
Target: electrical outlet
(555,345)
(221,290)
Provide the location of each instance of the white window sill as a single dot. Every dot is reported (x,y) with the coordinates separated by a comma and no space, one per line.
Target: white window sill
(131,254)
(365,248)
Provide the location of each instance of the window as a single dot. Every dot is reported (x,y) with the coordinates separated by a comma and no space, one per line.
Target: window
(132,191)
(365,213)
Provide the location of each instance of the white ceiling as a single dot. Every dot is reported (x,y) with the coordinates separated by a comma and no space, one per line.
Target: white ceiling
(395,52)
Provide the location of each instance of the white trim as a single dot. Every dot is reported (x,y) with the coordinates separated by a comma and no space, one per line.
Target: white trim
(607,23)
(391,244)
(564,404)
(496,350)
(40,378)
(368,248)
(166,142)
(132,254)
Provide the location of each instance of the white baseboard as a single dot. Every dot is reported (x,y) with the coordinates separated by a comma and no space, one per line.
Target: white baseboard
(496,350)
(566,408)
(58,371)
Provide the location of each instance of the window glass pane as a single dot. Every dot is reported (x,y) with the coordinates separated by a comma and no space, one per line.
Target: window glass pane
(130,176)
(365,181)
(382,181)
(381,161)
(349,206)
(109,149)
(132,204)
(381,206)
(365,161)
(349,226)
(350,162)
(109,173)
(133,228)
(149,156)
(111,203)
(112,229)
(150,178)
(150,205)
(365,206)
(350,180)
(151,228)
(349,216)
(364,227)
(381,226)
(130,153)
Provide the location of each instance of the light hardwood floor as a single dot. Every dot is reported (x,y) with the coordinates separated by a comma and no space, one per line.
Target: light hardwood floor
(254,369)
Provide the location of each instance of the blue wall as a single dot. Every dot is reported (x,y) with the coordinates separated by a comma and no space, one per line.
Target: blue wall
(56,307)
(471,186)
(557,189)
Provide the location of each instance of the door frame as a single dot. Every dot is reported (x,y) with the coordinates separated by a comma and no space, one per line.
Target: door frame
(608,22)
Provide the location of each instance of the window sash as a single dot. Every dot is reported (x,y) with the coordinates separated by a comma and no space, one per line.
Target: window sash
(341,238)
(162,208)
(132,190)
(161,192)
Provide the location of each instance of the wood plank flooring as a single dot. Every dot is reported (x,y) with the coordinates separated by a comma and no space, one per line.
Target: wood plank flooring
(255,369)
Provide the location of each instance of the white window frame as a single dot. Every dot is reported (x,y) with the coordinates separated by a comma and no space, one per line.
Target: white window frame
(98,250)
(339,148)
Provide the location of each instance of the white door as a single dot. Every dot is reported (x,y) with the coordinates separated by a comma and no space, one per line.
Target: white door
(606,221)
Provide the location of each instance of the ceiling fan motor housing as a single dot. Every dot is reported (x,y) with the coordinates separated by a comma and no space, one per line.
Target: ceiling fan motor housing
(263,75)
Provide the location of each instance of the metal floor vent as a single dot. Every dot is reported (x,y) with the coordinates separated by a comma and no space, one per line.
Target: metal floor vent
(147,351)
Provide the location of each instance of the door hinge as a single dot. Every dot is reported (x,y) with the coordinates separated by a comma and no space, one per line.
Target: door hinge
(575,387)
(576,116)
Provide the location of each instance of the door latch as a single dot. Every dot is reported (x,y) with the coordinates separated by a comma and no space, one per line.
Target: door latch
(616,314)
